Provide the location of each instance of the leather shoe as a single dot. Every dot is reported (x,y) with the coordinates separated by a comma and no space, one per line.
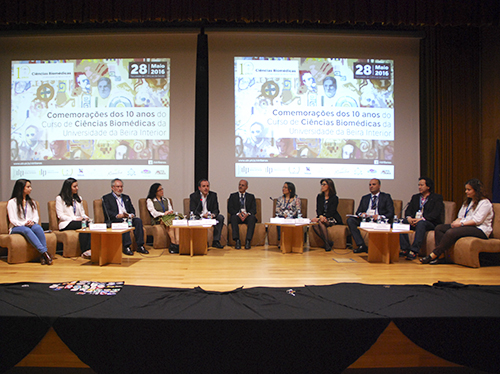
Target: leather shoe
(237,245)
(426,259)
(361,249)
(142,250)
(127,251)
(411,255)
(216,244)
(174,248)
(247,244)
(46,259)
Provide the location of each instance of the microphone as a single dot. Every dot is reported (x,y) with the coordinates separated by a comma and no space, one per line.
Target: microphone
(106,214)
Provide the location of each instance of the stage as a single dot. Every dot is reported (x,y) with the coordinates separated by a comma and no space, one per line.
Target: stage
(251,311)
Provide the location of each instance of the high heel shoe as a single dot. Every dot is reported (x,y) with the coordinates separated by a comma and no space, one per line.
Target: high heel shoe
(426,259)
(46,259)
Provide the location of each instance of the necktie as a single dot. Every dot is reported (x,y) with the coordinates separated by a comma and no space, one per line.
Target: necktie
(374,202)
(242,200)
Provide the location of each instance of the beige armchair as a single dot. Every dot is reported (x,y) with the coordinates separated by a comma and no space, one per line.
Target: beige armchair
(466,250)
(69,239)
(337,233)
(161,239)
(18,248)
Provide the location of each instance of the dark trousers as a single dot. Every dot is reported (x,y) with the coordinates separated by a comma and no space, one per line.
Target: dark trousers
(218,227)
(446,236)
(84,239)
(138,233)
(420,229)
(353,224)
(250,221)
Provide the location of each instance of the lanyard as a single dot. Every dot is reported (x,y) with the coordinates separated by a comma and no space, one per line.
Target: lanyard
(467,210)
(422,202)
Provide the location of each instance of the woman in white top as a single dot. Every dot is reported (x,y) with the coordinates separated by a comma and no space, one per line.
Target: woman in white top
(71,213)
(23,217)
(158,206)
(474,219)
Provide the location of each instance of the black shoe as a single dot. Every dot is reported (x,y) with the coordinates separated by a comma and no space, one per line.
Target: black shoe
(410,256)
(174,248)
(142,250)
(46,259)
(403,252)
(247,244)
(427,259)
(216,244)
(361,249)
(127,251)
(238,244)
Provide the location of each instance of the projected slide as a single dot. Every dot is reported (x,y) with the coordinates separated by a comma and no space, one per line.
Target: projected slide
(314,117)
(90,119)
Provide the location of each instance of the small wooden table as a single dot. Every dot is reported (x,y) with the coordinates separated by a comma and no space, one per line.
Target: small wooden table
(383,245)
(292,237)
(193,240)
(106,245)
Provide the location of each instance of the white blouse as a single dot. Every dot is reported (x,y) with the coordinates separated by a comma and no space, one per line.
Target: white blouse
(482,215)
(155,213)
(27,214)
(66,214)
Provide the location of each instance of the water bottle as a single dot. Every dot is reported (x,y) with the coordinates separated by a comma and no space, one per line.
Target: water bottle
(396,220)
(286,213)
(299,214)
(84,224)
(129,221)
(191,216)
(176,216)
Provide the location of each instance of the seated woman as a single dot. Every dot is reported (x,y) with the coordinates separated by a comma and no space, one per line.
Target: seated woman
(474,219)
(326,211)
(23,218)
(288,205)
(71,213)
(158,206)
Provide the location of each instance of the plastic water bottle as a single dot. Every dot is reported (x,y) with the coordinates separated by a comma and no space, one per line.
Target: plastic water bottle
(129,221)
(84,224)
(176,216)
(286,213)
(191,216)
(299,213)
(396,220)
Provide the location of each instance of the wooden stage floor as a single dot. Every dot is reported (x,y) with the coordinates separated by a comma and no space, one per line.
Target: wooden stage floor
(227,269)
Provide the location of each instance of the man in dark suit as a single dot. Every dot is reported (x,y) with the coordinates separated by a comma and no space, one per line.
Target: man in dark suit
(117,206)
(424,212)
(204,204)
(242,208)
(373,205)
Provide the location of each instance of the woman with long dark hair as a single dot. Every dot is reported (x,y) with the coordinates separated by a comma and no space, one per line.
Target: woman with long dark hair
(158,206)
(474,219)
(23,218)
(71,213)
(326,211)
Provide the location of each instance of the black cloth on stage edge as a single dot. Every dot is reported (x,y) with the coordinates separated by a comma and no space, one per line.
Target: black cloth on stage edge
(304,329)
